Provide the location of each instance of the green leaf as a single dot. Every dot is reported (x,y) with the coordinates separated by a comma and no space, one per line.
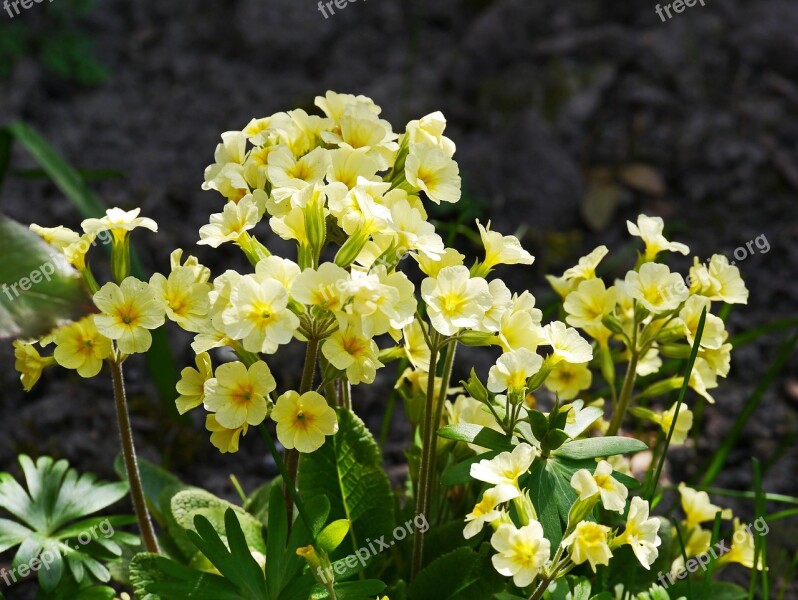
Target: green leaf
(596,447)
(39,290)
(53,509)
(460,473)
(347,469)
(476,434)
(155,481)
(460,575)
(155,577)
(332,535)
(186,505)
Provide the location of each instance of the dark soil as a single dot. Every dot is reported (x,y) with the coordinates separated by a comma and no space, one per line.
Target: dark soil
(549,103)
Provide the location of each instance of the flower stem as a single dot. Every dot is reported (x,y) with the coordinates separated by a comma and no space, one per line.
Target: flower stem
(433,451)
(626,395)
(292,455)
(131,463)
(428,438)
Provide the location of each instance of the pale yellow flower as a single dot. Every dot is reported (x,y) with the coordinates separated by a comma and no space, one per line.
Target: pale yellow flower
(119,223)
(429,169)
(303,422)
(230,224)
(650,230)
(223,439)
(588,543)
(566,343)
(487,510)
(521,553)
(507,467)
(129,312)
(80,346)
(455,300)
(240,395)
(641,533)
(656,287)
(512,370)
(30,364)
(567,380)
(58,237)
(191,386)
(612,492)
(186,301)
(349,350)
(698,508)
(586,267)
(501,249)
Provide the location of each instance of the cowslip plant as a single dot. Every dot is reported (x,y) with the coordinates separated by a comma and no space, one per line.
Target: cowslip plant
(540,499)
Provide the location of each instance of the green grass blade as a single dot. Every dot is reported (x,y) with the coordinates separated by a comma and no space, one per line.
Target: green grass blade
(722,453)
(746,337)
(760,547)
(685,384)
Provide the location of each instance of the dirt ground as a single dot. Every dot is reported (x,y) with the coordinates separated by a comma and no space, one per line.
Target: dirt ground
(554,107)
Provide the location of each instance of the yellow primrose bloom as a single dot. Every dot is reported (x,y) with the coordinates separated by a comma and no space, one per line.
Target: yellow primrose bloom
(743,547)
(727,284)
(501,302)
(650,230)
(416,349)
(507,467)
(641,533)
(586,267)
(432,265)
(429,169)
(359,128)
(58,237)
(348,349)
(684,422)
(561,285)
(656,287)
(718,360)
(487,511)
(567,380)
(128,312)
(455,300)
(588,543)
(80,346)
(520,325)
(201,273)
(698,508)
(521,553)
(239,395)
(119,223)
(714,327)
(429,130)
(566,343)
(185,301)
(258,315)
(325,287)
(283,270)
(225,440)
(284,168)
(501,249)
(191,386)
(230,224)
(334,105)
(76,252)
(703,378)
(30,364)
(512,370)
(347,166)
(698,543)
(589,303)
(613,493)
(303,422)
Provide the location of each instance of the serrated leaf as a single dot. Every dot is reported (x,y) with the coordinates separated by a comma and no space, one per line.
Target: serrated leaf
(186,505)
(596,447)
(39,290)
(347,469)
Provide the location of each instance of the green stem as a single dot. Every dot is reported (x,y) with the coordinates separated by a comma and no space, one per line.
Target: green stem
(292,455)
(445,380)
(422,497)
(131,463)
(628,387)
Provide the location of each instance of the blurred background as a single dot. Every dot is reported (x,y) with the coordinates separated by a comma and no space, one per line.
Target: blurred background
(569,118)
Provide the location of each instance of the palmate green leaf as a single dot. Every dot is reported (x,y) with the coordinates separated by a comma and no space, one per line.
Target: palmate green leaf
(347,469)
(601,446)
(39,290)
(54,510)
(155,577)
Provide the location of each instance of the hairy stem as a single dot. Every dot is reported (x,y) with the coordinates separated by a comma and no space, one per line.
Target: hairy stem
(131,463)
(428,438)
